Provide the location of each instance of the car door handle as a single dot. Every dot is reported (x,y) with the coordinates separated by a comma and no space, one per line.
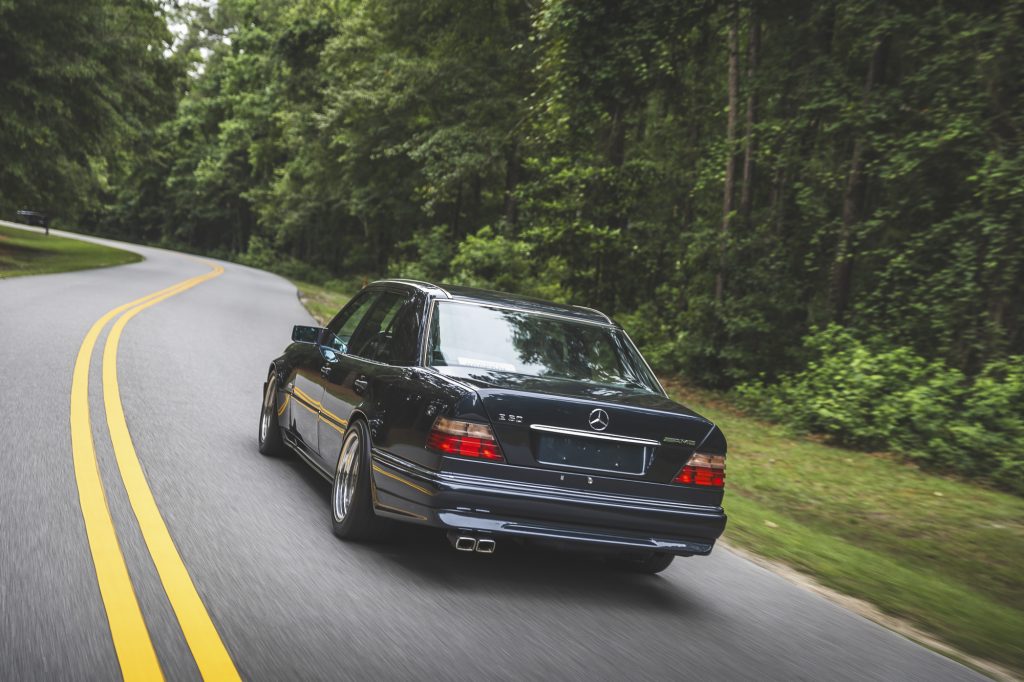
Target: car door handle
(360,384)
(325,370)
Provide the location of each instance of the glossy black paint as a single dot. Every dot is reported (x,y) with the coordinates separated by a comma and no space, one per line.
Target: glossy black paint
(322,391)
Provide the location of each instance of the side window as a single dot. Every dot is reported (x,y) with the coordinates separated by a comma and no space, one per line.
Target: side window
(347,321)
(371,337)
(405,337)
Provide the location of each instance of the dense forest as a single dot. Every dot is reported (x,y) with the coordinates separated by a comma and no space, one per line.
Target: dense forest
(818,204)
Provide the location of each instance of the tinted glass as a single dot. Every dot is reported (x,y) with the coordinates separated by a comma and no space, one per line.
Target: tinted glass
(403,346)
(371,338)
(347,321)
(503,340)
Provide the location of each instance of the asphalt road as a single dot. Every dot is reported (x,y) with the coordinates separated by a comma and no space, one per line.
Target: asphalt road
(289,599)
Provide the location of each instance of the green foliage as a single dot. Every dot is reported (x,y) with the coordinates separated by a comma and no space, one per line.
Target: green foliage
(427,255)
(878,159)
(663,340)
(492,261)
(81,83)
(876,396)
(260,254)
(486,259)
(570,149)
(264,255)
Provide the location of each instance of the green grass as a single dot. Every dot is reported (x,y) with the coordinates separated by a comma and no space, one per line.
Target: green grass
(33,253)
(942,553)
(323,301)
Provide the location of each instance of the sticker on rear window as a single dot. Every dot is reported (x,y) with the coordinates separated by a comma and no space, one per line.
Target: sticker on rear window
(487,364)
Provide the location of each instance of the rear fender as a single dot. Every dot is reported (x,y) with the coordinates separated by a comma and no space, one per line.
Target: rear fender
(470,407)
(714,443)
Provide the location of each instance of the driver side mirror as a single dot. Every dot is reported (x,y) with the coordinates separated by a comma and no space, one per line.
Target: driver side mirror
(303,334)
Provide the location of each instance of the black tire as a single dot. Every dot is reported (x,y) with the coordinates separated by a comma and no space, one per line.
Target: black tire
(654,562)
(352,515)
(269,435)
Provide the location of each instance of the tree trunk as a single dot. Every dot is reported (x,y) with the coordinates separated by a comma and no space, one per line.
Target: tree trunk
(730,157)
(853,196)
(478,209)
(617,158)
(746,196)
(457,215)
(512,168)
(617,137)
(778,199)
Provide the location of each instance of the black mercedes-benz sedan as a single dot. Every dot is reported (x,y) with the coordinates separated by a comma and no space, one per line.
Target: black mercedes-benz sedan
(495,417)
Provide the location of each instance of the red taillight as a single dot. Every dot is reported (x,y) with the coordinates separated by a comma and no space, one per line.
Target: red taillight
(466,439)
(705,470)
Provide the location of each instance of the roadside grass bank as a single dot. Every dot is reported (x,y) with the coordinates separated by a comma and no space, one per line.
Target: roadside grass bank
(33,253)
(941,553)
(324,300)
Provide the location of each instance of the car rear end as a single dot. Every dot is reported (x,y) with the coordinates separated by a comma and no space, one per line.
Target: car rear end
(628,489)
(552,444)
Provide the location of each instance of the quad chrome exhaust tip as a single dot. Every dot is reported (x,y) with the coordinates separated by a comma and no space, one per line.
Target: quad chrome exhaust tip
(470,543)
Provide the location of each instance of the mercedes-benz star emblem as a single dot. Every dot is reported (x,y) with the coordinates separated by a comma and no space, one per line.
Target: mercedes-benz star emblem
(598,420)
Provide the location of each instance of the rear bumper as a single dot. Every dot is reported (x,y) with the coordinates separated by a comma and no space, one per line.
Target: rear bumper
(501,499)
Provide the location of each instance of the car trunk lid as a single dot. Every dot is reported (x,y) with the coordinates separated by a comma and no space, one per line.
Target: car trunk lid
(586,428)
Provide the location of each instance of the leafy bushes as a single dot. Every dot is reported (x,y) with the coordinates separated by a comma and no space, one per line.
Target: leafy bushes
(867,394)
(487,259)
(655,328)
(263,254)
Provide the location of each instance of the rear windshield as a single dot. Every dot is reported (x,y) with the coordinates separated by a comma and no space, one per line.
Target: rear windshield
(533,344)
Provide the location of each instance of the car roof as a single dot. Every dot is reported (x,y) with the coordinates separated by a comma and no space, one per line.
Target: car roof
(486,296)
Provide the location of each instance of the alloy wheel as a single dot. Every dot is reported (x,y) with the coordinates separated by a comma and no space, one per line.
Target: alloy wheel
(267,412)
(346,476)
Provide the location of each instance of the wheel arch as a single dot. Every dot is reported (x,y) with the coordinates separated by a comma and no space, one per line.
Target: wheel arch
(359,414)
(283,409)
(275,368)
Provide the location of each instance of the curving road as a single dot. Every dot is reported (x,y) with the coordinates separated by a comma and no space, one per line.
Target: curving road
(288,599)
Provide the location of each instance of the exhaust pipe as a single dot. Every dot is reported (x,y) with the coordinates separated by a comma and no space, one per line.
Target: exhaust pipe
(463,543)
(470,543)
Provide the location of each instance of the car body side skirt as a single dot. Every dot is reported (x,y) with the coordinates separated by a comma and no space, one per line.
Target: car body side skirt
(299,449)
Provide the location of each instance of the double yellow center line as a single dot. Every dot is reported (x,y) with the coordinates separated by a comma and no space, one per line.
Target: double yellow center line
(128,629)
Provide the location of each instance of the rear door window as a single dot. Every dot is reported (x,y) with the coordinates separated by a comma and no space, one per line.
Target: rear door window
(403,337)
(345,323)
(371,338)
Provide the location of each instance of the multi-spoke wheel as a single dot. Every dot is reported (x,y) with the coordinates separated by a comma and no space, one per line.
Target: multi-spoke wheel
(347,476)
(352,512)
(270,431)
